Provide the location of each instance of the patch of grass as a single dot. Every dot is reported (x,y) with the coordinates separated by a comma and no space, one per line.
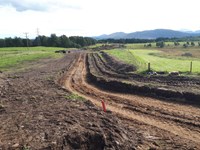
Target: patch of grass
(167,46)
(158,59)
(74,97)
(14,56)
(95,46)
(164,63)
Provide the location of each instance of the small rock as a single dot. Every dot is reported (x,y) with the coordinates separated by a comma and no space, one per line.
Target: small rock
(117,142)
(54,143)
(15,145)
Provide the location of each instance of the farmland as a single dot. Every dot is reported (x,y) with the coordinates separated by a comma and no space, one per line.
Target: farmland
(15,56)
(160,60)
(59,104)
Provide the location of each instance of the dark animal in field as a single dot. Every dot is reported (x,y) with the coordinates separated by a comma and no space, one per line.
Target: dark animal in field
(60,51)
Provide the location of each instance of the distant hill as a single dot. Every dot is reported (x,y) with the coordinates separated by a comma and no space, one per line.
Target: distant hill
(116,35)
(149,34)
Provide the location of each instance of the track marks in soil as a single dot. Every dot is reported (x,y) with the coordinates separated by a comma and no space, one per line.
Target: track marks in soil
(122,105)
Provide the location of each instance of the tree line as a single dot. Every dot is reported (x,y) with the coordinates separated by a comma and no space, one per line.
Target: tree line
(126,41)
(52,41)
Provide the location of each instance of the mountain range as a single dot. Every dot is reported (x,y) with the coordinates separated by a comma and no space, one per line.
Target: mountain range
(149,34)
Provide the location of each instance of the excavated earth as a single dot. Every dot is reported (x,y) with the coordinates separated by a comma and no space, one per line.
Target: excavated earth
(39,109)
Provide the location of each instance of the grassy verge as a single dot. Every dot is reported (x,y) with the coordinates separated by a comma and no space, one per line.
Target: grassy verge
(14,56)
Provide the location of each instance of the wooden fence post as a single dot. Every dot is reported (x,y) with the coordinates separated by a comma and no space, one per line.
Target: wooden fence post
(191,67)
(149,66)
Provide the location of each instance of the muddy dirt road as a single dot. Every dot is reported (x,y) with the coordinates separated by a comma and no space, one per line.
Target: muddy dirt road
(163,125)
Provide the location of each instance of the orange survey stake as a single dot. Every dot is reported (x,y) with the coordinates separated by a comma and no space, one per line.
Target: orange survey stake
(103,105)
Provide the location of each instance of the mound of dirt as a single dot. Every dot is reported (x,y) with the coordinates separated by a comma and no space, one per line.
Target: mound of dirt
(118,65)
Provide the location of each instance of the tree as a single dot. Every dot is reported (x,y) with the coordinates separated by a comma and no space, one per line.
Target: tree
(44,40)
(192,44)
(176,43)
(149,45)
(2,43)
(65,41)
(37,41)
(18,42)
(160,44)
(9,42)
(185,45)
(54,41)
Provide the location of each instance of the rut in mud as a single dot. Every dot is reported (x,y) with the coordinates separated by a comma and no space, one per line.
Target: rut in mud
(173,124)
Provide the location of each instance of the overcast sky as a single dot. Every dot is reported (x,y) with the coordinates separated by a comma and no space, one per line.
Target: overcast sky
(95,17)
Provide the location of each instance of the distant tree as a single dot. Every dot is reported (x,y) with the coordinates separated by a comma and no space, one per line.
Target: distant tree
(54,41)
(65,41)
(2,43)
(192,44)
(18,42)
(176,43)
(149,45)
(81,41)
(9,42)
(37,41)
(199,43)
(44,40)
(188,43)
(160,44)
(185,45)
(91,41)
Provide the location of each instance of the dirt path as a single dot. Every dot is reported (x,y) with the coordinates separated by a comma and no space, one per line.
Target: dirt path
(174,119)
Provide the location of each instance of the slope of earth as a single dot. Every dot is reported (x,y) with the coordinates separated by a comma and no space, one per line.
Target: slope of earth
(37,113)
(162,125)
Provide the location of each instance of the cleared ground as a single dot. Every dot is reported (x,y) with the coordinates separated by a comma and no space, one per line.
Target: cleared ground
(46,107)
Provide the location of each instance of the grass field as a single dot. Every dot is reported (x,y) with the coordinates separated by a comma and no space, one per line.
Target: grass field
(153,45)
(160,60)
(14,56)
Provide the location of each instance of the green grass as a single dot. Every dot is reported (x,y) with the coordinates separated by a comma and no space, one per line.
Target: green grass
(74,97)
(167,45)
(95,46)
(159,60)
(14,56)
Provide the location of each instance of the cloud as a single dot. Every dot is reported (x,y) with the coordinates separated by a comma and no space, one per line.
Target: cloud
(37,5)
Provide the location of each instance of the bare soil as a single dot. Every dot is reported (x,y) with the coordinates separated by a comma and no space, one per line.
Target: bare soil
(37,112)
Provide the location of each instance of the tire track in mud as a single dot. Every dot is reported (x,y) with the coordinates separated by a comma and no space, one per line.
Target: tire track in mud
(75,82)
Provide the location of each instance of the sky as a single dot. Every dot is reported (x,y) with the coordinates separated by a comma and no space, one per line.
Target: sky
(95,17)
